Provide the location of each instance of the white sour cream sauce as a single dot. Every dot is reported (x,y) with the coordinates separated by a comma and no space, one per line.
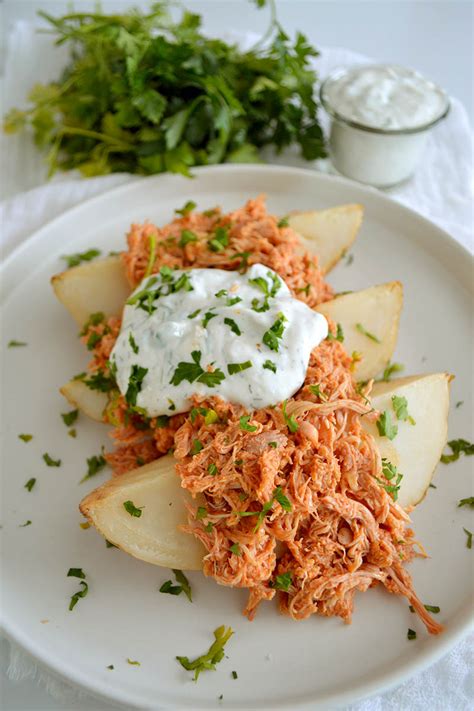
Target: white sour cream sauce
(168,336)
(386,97)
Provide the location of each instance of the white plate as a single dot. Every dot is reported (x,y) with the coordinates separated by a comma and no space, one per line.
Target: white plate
(280,663)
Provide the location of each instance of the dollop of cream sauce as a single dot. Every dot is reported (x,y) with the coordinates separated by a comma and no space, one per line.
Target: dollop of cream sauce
(386,97)
(207,332)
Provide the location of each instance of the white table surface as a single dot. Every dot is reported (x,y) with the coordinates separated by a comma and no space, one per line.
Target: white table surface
(432,36)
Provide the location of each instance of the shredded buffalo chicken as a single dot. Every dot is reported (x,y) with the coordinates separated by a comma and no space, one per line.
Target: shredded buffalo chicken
(295,505)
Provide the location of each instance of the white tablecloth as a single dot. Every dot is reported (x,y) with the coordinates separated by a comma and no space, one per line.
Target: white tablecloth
(442,190)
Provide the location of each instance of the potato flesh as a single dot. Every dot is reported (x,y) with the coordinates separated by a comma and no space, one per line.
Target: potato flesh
(90,402)
(328,233)
(377,310)
(154,536)
(416,449)
(92,287)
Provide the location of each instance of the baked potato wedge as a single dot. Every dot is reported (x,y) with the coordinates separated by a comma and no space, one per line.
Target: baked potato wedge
(90,402)
(370,320)
(95,286)
(153,536)
(416,448)
(328,233)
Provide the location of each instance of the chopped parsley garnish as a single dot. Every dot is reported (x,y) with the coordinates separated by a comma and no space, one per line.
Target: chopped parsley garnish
(457,447)
(220,239)
(135,383)
(94,339)
(145,298)
(99,381)
(233,326)
(339,334)
(316,390)
(233,368)
(232,300)
(364,332)
(207,317)
(283,222)
(391,473)
(73,260)
(16,344)
(244,261)
(270,365)
(304,289)
(390,370)
(108,544)
(95,464)
(194,313)
(196,446)
(212,469)
(290,420)
(23,525)
(133,344)
(50,461)
(275,332)
(411,634)
(273,445)
(94,320)
(193,372)
(69,418)
(183,585)
(235,675)
(201,513)
(171,405)
(215,654)
(269,289)
(220,293)
(244,424)
(133,662)
(467,502)
(235,549)
(283,581)
(25,437)
(459,403)
(400,406)
(188,207)
(385,426)
(186,237)
(277,495)
(77,573)
(130,508)
(111,666)
(30,484)
(469,538)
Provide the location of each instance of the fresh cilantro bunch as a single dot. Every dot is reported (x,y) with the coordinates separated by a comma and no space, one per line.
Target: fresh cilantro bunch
(145,94)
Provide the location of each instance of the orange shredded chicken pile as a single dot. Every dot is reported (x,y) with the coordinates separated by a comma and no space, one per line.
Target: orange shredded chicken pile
(294,502)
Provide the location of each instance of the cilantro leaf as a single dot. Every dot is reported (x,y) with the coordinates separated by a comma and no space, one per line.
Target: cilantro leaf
(467,502)
(233,368)
(95,464)
(244,424)
(233,326)
(130,508)
(135,383)
(290,420)
(400,406)
(70,417)
(73,260)
(364,332)
(188,207)
(16,344)
(457,447)
(193,372)
(25,437)
(186,237)
(275,332)
(30,484)
(339,334)
(208,660)
(270,365)
(469,538)
(283,581)
(50,461)
(385,426)
(220,240)
(390,370)
(133,343)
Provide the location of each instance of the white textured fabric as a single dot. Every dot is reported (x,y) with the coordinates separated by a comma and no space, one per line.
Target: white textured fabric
(442,190)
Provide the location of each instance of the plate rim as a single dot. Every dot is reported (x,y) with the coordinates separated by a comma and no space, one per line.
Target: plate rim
(462,623)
